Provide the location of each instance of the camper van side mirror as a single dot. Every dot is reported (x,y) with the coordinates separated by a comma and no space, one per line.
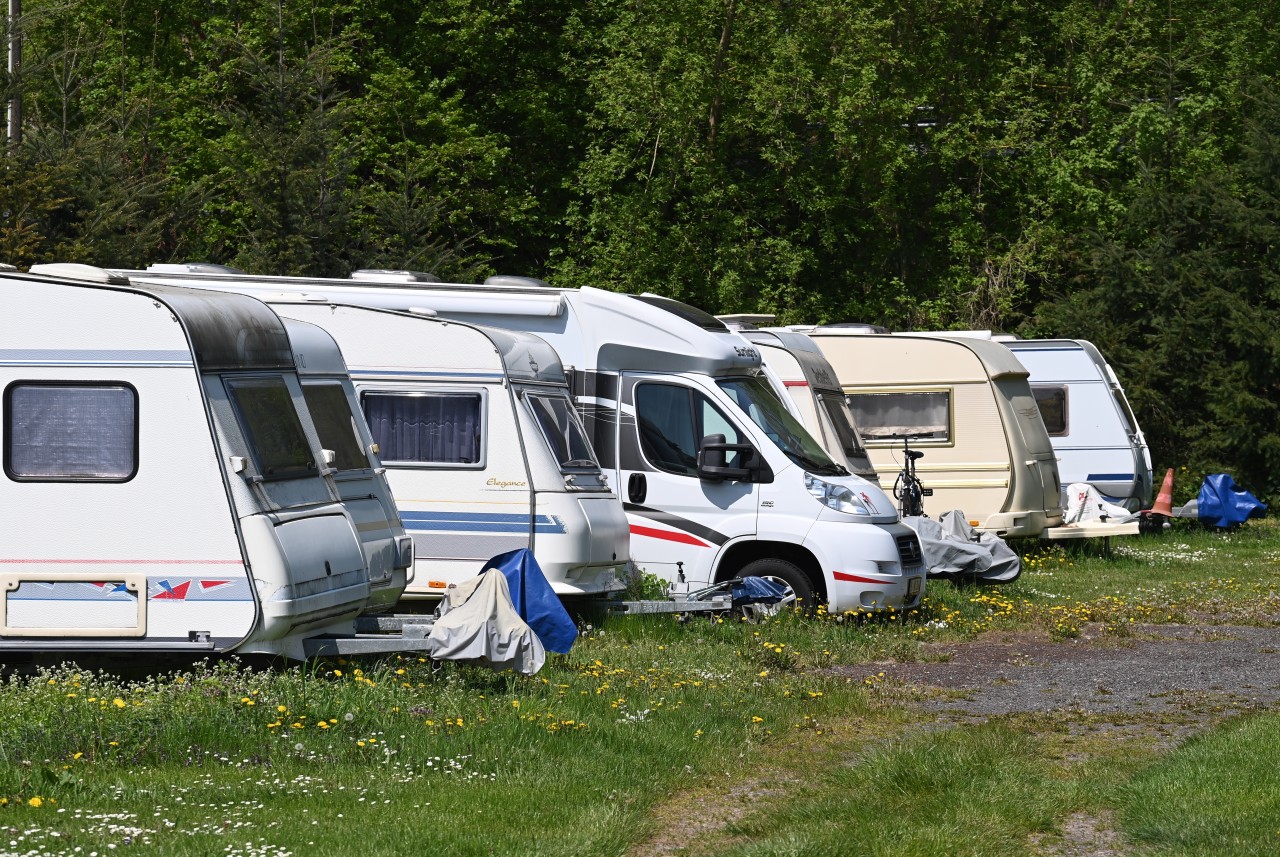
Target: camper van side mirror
(713,456)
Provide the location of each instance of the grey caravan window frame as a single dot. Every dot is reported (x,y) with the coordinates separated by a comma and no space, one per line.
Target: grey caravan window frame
(1052,429)
(873,437)
(350,455)
(536,401)
(133,446)
(271,464)
(480,394)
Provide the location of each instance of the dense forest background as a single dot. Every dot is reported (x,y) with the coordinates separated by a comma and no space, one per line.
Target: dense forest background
(1079,168)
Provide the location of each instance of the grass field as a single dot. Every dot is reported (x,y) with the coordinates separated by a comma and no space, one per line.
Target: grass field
(652,736)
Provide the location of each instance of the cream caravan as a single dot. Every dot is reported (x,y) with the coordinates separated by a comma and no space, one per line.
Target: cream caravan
(171,426)
(966,404)
(482,446)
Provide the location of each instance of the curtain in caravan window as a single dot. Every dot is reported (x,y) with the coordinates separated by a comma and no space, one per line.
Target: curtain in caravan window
(925,415)
(429,428)
(65,432)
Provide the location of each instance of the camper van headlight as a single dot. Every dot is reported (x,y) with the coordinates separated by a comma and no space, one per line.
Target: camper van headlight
(833,496)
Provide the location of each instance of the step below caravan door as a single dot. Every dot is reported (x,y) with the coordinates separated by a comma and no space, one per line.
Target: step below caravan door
(678,521)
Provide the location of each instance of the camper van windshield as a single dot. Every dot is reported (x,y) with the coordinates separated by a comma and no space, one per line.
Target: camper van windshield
(837,413)
(563,432)
(764,408)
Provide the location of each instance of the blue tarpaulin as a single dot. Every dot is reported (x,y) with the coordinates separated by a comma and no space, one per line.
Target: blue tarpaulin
(757,590)
(535,600)
(1224,504)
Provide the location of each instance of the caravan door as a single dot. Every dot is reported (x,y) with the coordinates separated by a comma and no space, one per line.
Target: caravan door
(679,522)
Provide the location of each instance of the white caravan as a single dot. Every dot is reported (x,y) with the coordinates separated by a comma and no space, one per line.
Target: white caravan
(966,404)
(1090,423)
(171,427)
(357,473)
(476,430)
(811,385)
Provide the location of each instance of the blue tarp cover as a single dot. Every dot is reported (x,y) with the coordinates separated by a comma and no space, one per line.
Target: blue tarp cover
(535,600)
(757,590)
(1224,504)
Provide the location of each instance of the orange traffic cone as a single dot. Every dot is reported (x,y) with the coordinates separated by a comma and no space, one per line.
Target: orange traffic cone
(1164,500)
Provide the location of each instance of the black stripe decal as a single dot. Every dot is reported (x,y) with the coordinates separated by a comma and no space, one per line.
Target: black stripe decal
(677,522)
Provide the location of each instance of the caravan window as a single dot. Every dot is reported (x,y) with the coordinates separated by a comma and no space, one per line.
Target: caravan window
(884,416)
(672,422)
(563,432)
(427,428)
(336,425)
(272,427)
(70,432)
(1052,402)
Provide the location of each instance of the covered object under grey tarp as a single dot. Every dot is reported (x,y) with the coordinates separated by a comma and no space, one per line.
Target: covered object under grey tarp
(955,550)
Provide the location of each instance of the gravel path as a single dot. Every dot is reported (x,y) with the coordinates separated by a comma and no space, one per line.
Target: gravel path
(1157,670)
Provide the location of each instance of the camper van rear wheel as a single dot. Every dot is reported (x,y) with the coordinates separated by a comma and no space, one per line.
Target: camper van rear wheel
(790,576)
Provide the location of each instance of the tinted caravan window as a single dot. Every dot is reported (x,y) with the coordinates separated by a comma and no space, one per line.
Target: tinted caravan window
(563,432)
(272,427)
(71,432)
(336,425)
(1052,402)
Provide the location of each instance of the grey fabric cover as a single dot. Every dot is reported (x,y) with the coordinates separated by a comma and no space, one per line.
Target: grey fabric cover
(953,549)
(477,621)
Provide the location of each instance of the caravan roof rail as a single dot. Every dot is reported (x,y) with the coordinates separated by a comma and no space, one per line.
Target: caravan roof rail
(390,275)
(192,268)
(77,271)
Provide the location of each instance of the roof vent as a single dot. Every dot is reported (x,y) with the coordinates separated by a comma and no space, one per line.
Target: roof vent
(517,282)
(76,271)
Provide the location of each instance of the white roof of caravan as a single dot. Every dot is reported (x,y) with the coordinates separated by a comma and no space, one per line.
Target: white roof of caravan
(403,341)
(226,331)
(905,358)
(1060,359)
(614,331)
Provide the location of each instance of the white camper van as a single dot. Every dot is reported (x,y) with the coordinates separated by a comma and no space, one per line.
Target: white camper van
(476,430)
(171,427)
(719,480)
(1090,423)
(811,385)
(967,405)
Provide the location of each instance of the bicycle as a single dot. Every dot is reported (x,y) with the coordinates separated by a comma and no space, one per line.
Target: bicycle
(907,489)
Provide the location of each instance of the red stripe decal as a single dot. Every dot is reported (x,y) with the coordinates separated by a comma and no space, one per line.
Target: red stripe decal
(795,383)
(853,578)
(682,538)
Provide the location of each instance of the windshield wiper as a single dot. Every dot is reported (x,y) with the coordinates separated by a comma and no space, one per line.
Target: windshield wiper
(578,462)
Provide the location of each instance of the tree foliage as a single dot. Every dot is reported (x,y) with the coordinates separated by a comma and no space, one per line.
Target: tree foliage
(1080,168)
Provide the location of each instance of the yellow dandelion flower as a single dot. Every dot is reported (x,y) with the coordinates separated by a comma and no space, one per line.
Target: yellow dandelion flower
(755,719)
(36,801)
(338,673)
(118,702)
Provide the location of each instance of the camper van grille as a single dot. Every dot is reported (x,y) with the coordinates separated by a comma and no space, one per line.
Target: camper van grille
(909,551)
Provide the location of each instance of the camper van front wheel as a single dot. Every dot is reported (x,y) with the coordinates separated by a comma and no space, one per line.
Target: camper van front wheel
(788,575)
